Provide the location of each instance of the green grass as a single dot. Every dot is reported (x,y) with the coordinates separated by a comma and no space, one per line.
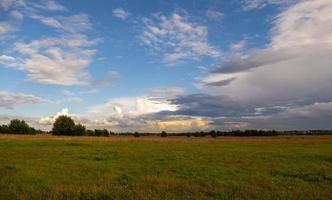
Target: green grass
(170,169)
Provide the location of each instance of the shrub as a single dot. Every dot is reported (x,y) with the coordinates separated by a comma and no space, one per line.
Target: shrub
(136,134)
(63,125)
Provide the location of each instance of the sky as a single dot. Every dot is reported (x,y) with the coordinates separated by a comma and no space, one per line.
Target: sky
(166,65)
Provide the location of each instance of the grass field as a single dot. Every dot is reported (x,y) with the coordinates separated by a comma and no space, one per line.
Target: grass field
(49,167)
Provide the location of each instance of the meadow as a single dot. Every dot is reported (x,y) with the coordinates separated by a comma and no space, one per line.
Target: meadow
(151,167)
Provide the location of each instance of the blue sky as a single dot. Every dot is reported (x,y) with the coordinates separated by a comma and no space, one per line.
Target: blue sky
(167,65)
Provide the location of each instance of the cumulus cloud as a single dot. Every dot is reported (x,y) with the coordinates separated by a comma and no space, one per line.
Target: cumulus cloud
(10,100)
(120,13)
(133,106)
(177,38)
(56,60)
(49,120)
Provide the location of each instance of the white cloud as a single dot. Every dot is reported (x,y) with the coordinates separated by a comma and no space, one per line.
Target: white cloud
(16,15)
(132,106)
(238,45)
(11,100)
(92,91)
(56,60)
(51,119)
(6,4)
(72,24)
(4,59)
(54,6)
(5,28)
(120,13)
(166,92)
(67,93)
(214,15)
(177,38)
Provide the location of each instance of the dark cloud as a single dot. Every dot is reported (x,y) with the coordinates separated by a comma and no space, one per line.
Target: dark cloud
(220,83)
(255,58)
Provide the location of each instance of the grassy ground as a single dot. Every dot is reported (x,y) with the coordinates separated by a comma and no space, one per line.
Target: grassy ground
(46,167)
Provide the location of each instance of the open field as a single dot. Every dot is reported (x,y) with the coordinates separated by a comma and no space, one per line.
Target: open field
(124,167)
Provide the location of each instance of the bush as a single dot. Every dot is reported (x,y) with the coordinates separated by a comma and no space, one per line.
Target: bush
(163,134)
(63,125)
(136,134)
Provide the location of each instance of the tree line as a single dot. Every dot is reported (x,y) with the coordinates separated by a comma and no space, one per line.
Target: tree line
(64,125)
(17,126)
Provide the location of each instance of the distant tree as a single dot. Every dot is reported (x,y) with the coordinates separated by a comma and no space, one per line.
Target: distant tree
(17,126)
(106,133)
(4,128)
(213,133)
(79,129)
(136,134)
(90,133)
(63,125)
(163,134)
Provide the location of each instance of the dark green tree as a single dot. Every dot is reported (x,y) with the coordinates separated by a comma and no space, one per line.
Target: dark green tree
(79,129)
(63,125)
(163,134)
(17,126)
(136,134)
(213,133)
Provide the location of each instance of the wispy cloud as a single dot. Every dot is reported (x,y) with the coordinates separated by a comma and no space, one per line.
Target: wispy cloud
(72,24)
(10,100)
(54,6)
(92,91)
(214,15)
(111,77)
(259,4)
(120,13)
(238,45)
(177,38)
